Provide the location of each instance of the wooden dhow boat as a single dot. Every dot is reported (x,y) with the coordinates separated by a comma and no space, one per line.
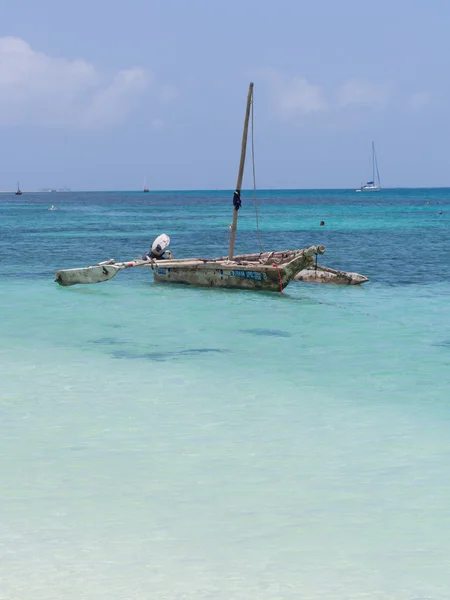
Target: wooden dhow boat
(265,271)
(268,271)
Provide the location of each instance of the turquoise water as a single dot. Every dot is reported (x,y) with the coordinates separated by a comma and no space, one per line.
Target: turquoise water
(178,443)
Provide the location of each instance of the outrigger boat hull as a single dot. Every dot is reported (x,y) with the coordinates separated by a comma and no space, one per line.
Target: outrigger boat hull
(270,271)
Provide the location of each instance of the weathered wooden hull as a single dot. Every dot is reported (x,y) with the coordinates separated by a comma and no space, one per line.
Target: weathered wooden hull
(269,272)
(210,275)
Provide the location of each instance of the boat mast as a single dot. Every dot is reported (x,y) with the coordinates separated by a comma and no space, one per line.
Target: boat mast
(373,163)
(376,167)
(237,193)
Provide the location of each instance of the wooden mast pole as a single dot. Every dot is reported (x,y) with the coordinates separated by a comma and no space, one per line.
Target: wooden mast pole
(237,193)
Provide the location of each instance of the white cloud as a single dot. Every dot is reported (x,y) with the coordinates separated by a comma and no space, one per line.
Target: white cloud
(39,89)
(419,100)
(355,92)
(168,93)
(157,124)
(113,100)
(295,95)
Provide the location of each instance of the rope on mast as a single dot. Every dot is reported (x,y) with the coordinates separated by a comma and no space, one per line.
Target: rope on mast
(255,201)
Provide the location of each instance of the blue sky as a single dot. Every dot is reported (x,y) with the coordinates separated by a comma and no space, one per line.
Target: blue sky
(97,95)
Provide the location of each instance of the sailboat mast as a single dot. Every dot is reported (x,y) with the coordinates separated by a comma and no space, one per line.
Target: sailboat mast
(237,193)
(373,162)
(377,171)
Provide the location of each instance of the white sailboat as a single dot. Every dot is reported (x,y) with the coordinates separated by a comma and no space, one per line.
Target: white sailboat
(374,185)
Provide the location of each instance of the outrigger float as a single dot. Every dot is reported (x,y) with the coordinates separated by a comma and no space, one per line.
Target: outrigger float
(322,274)
(265,271)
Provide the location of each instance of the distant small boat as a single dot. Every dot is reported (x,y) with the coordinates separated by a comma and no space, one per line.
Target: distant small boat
(19,191)
(52,207)
(374,185)
(145,190)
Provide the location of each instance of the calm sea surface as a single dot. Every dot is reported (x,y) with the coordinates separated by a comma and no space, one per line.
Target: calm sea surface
(173,443)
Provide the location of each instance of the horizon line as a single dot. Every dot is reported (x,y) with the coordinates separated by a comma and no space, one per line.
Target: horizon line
(231,190)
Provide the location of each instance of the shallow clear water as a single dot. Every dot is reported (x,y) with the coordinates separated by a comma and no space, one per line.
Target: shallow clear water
(169,442)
